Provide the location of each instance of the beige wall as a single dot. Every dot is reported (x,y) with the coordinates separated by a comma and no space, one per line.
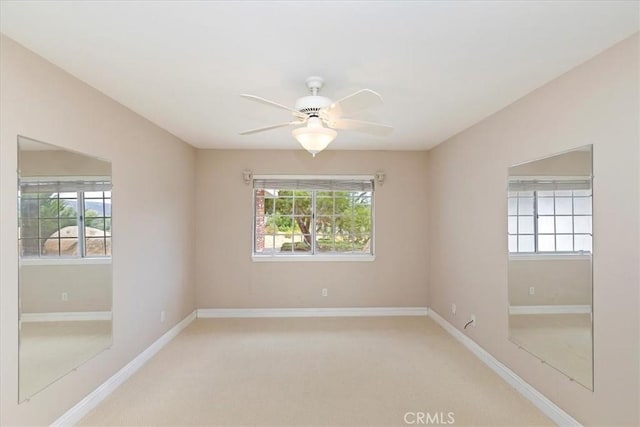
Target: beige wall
(153,198)
(61,163)
(226,276)
(563,281)
(574,163)
(88,288)
(595,103)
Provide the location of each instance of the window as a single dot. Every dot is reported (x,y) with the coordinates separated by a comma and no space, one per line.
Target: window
(64,218)
(313,216)
(550,216)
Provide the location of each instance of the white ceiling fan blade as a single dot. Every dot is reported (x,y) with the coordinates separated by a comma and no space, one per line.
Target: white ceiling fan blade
(279,125)
(355,102)
(273,104)
(361,126)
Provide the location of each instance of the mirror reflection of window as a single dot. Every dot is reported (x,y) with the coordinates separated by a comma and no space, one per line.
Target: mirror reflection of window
(65,217)
(549,216)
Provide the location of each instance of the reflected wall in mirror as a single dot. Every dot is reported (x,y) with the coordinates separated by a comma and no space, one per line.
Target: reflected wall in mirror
(550,261)
(64,241)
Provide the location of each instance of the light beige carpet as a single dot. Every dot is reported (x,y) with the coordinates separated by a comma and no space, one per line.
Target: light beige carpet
(314,371)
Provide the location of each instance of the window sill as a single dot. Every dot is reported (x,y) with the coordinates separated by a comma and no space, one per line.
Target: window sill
(65,261)
(313,258)
(549,256)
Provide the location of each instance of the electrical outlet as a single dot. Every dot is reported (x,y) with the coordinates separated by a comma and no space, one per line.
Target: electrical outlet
(64,296)
(163,316)
(532,290)
(325,292)
(453,309)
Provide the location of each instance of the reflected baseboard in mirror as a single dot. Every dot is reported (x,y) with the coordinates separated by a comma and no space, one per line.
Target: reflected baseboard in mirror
(64,242)
(550,280)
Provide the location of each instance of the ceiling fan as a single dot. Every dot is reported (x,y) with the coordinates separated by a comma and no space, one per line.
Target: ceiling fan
(321,116)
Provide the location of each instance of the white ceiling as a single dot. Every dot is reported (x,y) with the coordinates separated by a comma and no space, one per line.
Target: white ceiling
(441,66)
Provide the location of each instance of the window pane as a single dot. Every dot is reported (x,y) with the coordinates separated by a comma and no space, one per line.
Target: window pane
(525,206)
(66,247)
(546,243)
(29,227)
(324,205)
(324,242)
(48,227)
(513,243)
(95,223)
(284,206)
(29,208)
(525,244)
(513,206)
(545,224)
(563,205)
(325,225)
(29,247)
(563,193)
(269,245)
(582,205)
(586,193)
(545,205)
(525,225)
(513,225)
(95,246)
(302,206)
(583,224)
(108,246)
(564,243)
(564,224)
(301,242)
(283,243)
(582,242)
(545,193)
(93,194)
(94,208)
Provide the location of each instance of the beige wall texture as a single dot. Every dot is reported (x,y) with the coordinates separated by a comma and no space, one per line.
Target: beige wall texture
(152,210)
(574,163)
(226,275)
(565,281)
(61,163)
(595,103)
(88,288)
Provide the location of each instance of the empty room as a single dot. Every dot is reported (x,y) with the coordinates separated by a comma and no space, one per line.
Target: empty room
(336,213)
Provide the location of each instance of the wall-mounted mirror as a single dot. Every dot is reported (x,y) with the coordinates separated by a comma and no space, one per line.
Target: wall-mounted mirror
(64,241)
(550,261)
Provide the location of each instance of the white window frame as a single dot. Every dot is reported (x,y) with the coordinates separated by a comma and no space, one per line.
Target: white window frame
(317,257)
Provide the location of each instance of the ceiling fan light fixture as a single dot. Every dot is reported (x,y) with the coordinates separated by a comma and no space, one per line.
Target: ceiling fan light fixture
(314,137)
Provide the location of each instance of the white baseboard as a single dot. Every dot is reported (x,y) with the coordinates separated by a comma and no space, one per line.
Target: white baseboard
(82,408)
(549,408)
(549,309)
(69,316)
(312,312)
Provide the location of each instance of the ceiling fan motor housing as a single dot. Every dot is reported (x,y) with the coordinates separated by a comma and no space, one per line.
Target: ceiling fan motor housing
(312,104)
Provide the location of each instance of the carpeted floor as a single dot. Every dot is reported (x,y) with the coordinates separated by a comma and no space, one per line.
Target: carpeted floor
(315,371)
